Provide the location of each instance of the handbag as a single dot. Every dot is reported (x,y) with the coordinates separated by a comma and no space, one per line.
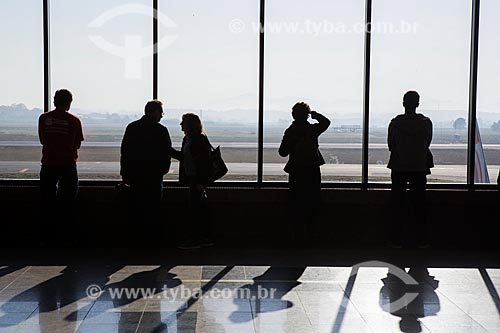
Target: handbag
(217,167)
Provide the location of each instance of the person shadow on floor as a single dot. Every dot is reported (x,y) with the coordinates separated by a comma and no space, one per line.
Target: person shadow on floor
(267,291)
(66,290)
(410,301)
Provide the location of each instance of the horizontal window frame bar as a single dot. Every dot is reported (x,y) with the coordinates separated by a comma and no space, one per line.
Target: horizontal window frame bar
(255,185)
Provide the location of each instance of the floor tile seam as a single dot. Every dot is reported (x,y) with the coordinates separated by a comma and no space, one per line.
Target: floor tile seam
(338,312)
(483,327)
(361,315)
(348,297)
(451,301)
(90,309)
(354,306)
(15,279)
(265,281)
(142,316)
(465,313)
(254,317)
(245,273)
(307,314)
(423,324)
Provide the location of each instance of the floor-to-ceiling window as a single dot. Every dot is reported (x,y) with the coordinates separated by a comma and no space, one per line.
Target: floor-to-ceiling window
(488,99)
(21,87)
(314,54)
(208,65)
(421,45)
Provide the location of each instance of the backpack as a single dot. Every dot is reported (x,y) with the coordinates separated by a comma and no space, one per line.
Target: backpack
(305,152)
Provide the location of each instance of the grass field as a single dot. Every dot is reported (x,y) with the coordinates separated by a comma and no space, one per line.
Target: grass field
(249,134)
(380,156)
(249,155)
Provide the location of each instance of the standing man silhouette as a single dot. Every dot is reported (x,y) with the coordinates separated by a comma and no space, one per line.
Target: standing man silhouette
(60,133)
(300,143)
(409,138)
(146,150)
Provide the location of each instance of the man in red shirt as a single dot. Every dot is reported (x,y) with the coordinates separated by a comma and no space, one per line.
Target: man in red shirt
(61,134)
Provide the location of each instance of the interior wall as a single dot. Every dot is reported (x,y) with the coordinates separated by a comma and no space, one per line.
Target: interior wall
(245,217)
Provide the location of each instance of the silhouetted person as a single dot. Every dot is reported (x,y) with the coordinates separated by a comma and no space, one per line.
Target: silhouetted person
(60,133)
(300,143)
(194,172)
(409,139)
(146,150)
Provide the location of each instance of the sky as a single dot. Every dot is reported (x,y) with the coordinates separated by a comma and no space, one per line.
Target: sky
(210,60)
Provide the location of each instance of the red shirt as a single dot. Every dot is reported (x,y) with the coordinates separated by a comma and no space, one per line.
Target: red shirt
(61,134)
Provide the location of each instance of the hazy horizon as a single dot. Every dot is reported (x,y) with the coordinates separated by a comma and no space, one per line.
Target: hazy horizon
(209,60)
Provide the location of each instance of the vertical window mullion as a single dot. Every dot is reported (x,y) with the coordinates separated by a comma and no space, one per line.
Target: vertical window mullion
(260,148)
(155,49)
(366,93)
(473,92)
(46,56)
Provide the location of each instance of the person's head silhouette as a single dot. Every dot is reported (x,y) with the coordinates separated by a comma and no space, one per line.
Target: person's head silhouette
(301,111)
(154,110)
(63,99)
(411,100)
(191,124)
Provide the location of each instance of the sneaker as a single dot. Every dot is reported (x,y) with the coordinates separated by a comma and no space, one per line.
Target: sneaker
(206,242)
(189,245)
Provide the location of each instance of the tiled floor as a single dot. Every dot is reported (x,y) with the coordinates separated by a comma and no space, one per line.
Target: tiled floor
(249,298)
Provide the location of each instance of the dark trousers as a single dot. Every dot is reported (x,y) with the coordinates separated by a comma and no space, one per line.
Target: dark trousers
(406,227)
(199,214)
(58,183)
(304,201)
(58,191)
(145,216)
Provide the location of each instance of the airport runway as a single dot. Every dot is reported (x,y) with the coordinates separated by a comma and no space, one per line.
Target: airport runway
(251,145)
(445,172)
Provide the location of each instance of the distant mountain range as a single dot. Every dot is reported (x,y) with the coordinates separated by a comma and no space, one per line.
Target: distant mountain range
(20,115)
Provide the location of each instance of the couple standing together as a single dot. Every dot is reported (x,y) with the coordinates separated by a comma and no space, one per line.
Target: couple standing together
(146,152)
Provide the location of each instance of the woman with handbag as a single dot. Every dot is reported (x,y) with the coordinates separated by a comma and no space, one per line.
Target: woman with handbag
(194,172)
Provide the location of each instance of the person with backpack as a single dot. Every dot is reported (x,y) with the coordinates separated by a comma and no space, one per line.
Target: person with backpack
(300,144)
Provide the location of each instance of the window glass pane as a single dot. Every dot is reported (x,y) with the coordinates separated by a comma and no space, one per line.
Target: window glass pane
(209,66)
(421,45)
(21,87)
(315,54)
(488,98)
(102,52)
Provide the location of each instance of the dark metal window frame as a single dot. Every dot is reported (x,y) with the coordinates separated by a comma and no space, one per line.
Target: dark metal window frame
(365,183)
